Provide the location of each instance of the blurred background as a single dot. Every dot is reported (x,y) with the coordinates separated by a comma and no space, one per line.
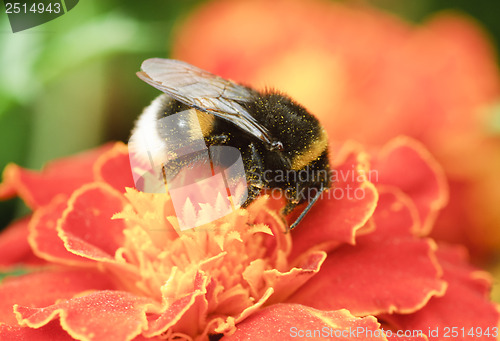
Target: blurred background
(70,84)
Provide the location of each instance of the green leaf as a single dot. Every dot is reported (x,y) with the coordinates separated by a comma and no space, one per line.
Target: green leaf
(15,136)
(16,272)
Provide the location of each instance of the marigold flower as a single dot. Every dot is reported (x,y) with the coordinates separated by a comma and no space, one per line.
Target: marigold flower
(369,76)
(106,262)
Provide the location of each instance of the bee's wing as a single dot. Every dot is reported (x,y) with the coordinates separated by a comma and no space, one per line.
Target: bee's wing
(203,91)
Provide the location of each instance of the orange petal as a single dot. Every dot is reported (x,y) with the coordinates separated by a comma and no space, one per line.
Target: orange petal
(284,284)
(381,273)
(102,315)
(294,321)
(60,176)
(395,217)
(14,247)
(86,226)
(52,331)
(113,167)
(465,305)
(405,164)
(41,289)
(184,315)
(44,238)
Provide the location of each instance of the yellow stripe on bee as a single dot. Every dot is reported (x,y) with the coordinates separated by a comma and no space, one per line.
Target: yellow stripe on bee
(311,153)
(206,122)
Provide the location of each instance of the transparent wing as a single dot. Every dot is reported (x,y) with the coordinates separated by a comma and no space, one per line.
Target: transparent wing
(204,91)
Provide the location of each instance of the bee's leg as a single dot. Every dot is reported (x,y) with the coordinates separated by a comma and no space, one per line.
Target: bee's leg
(254,169)
(290,206)
(254,172)
(304,212)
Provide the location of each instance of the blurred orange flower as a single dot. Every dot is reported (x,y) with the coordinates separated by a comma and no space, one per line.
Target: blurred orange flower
(368,76)
(107,262)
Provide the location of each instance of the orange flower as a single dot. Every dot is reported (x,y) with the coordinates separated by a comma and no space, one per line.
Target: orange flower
(370,77)
(107,262)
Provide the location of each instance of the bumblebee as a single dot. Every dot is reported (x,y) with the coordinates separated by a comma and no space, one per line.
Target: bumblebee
(283,147)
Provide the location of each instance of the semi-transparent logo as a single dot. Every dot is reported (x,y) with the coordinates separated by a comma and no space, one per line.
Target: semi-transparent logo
(25,14)
(175,158)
